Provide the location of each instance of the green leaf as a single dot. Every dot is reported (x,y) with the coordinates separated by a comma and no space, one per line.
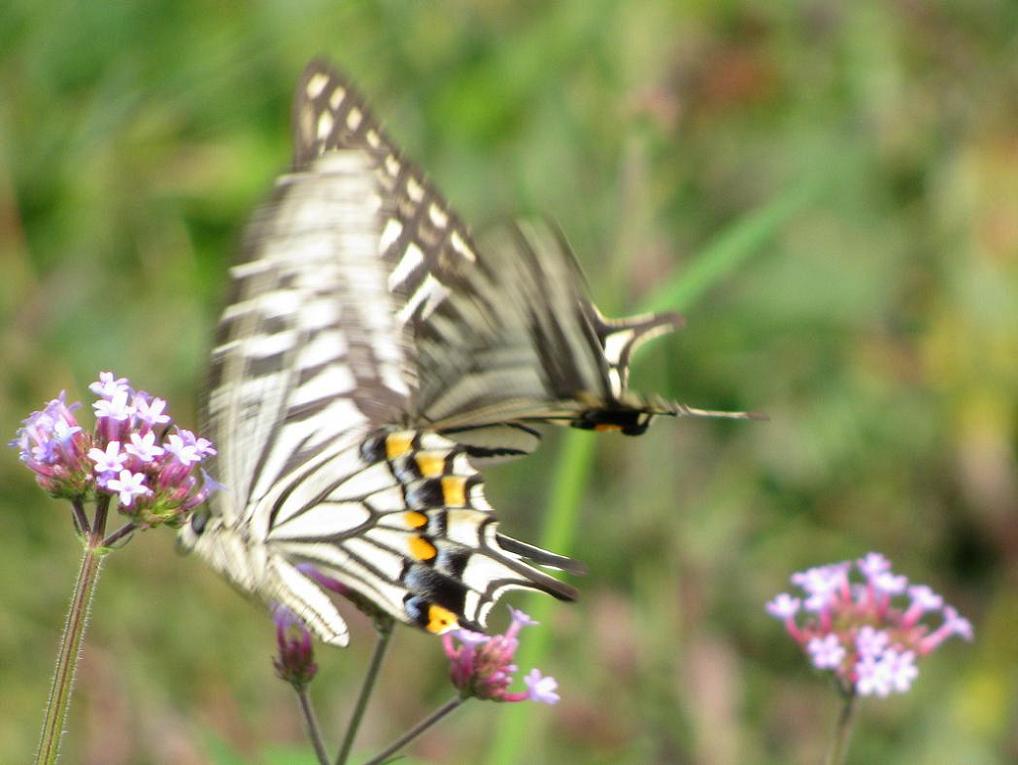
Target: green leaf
(732,248)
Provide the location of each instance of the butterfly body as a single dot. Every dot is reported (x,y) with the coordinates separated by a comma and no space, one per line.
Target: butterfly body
(371,358)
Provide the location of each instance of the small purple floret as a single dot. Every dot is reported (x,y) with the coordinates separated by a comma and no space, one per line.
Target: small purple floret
(128,486)
(109,461)
(827,651)
(541,688)
(873,564)
(107,385)
(144,447)
(784,606)
(186,453)
(150,411)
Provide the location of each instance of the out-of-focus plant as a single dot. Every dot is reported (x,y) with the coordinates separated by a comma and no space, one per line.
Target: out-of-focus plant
(134,454)
(480,666)
(575,461)
(868,634)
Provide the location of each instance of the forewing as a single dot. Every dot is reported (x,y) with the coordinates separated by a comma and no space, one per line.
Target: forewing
(519,340)
(422,237)
(498,332)
(307,349)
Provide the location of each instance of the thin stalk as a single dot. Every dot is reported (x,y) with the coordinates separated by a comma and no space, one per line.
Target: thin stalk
(417,730)
(311,720)
(98,531)
(384,627)
(119,534)
(80,519)
(71,641)
(842,731)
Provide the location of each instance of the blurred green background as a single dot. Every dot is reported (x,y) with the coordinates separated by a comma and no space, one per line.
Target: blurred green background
(877,326)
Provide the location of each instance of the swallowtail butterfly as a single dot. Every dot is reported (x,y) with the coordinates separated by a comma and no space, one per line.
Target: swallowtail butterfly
(372,356)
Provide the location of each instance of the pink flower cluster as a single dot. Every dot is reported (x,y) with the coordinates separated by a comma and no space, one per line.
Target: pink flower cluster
(481,665)
(135,453)
(858,631)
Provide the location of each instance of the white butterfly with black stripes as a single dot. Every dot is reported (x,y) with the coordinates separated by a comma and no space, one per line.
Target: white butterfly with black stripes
(371,356)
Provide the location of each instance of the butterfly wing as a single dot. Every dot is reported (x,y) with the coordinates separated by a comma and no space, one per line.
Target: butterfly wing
(400,521)
(500,333)
(309,384)
(307,349)
(371,353)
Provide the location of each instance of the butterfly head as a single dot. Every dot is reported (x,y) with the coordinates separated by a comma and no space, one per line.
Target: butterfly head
(192,531)
(630,422)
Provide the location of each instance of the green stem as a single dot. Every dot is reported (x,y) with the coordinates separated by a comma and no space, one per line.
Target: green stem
(384,627)
(842,730)
(80,519)
(570,481)
(417,730)
(311,720)
(124,531)
(74,634)
(575,461)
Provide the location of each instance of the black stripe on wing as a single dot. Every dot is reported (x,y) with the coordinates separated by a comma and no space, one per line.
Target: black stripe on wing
(307,346)
(500,332)
(424,236)
(517,339)
(401,519)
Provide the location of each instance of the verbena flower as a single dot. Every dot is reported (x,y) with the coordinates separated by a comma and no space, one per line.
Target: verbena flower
(295,657)
(53,446)
(134,453)
(482,665)
(869,633)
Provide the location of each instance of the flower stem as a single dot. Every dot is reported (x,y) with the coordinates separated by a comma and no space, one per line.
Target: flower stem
(74,634)
(314,731)
(80,519)
(417,730)
(126,530)
(384,627)
(842,731)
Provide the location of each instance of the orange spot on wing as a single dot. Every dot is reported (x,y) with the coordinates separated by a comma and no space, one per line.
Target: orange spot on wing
(398,444)
(415,520)
(431,465)
(441,620)
(607,427)
(422,549)
(454,492)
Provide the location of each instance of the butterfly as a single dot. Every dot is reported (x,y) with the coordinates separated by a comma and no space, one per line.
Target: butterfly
(373,356)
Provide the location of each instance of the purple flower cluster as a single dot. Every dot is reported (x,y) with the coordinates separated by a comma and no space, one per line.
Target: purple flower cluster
(295,661)
(481,665)
(135,453)
(858,631)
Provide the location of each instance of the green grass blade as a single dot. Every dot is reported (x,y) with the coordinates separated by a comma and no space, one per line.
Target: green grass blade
(516,722)
(726,253)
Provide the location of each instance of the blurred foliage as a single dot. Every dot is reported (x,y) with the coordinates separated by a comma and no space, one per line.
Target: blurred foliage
(878,329)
